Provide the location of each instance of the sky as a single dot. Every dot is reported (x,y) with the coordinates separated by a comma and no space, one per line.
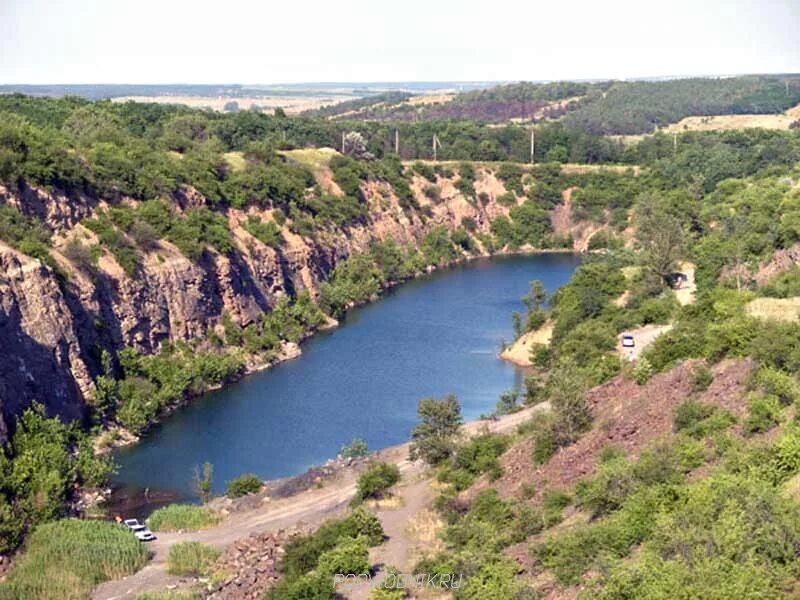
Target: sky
(232,41)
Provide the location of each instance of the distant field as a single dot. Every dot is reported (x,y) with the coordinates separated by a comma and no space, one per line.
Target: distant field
(291,104)
(732,122)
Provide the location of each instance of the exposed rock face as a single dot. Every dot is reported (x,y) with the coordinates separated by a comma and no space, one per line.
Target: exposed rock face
(42,355)
(52,332)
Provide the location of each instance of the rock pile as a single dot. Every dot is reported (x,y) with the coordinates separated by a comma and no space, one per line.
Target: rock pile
(250,566)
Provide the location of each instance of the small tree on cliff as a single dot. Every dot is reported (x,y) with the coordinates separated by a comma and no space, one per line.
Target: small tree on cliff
(433,440)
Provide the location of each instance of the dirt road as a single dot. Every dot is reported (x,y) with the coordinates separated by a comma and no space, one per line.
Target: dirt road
(310,508)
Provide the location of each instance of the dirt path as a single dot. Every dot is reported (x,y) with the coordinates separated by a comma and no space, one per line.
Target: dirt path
(310,508)
(687,291)
(642,337)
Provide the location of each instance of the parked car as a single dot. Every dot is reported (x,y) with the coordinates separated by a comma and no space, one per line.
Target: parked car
(627,341)
(142,533)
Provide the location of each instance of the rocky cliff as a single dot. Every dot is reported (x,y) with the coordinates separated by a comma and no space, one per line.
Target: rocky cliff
(54,327)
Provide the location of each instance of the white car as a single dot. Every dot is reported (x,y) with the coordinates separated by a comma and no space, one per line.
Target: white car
(142,533)
(627,341)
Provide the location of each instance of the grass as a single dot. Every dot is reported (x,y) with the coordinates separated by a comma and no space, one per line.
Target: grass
(731,123)
(775,309)
(67,559)
(314,158)
(191,558)
(235,161)
(185,517)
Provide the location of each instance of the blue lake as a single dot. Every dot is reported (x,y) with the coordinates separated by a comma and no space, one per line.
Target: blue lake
(437,335)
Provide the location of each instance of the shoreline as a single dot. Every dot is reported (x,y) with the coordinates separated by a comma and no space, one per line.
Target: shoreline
(123,438)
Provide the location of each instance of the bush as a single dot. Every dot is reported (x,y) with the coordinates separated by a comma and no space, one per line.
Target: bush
(313,586)
(349,557)
(699,420)
(355,449)
(378,478)
(642,371)
(303,553)
(777,383)
(66,560)
(244,485)
(182,517)
(191,558)
(701,378)
(764,412)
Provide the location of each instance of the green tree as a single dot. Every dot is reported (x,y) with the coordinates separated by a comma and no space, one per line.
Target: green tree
(660,239)
(433,440)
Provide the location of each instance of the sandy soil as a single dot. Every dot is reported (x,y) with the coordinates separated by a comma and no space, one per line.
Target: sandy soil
(686,293)
(519,352)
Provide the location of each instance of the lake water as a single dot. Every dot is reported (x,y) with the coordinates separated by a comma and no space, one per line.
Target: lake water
(436,335)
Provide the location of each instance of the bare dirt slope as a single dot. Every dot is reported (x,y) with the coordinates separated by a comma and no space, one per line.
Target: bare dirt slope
(626,415)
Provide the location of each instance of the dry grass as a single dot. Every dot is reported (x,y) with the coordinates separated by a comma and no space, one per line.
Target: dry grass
(775,309)
(423,531)
(313,158)
(430,99)
(235,160)
(291,104)
(731,123)
(631,272)
(388,502)
(791,488)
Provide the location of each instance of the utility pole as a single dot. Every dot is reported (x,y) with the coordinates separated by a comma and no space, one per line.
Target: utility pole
(674,142)
(343,142)
(435,143)
(397,142)
(533,143)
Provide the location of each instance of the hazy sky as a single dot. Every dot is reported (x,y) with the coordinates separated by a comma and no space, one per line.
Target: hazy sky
(174,41)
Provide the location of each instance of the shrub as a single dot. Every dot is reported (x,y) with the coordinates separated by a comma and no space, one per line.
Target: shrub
(191,558)
(355,449)
(182,517)
(701,378)
(776,383)
(699,420)
(267,233)
(493,581)
(302,553)
(642,371)
(476,456)
(244,485)
(66,560)
(349,557)
(378,478)
(763,414)
(433,193)
(313,586)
